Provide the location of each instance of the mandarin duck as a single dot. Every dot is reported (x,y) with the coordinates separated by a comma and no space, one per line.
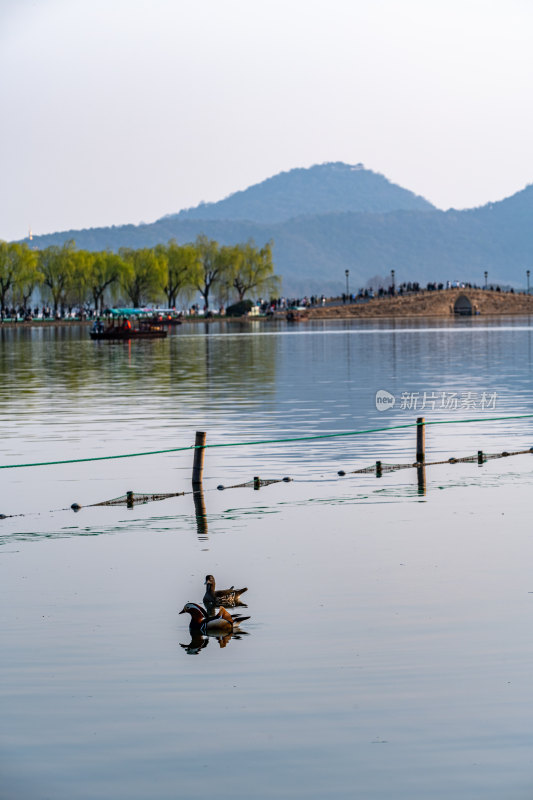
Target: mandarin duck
(222,622)
(231,598)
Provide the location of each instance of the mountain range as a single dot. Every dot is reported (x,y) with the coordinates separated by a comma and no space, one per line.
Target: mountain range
(332,217)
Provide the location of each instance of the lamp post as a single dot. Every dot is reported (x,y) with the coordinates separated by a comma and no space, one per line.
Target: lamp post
(392,278)
(527,273)
(347,273)
(486,276)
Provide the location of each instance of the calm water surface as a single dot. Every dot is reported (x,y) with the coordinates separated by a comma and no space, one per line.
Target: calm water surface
(389,649)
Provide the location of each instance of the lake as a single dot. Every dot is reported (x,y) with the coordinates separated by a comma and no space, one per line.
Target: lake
(388,651)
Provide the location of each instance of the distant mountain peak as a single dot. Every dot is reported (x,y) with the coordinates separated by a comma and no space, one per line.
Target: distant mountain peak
(323,231)
(332,187)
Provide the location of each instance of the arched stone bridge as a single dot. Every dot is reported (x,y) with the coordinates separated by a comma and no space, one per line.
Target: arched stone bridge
(445,303)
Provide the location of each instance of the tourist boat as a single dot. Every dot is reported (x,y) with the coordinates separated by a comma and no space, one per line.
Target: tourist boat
(123,324)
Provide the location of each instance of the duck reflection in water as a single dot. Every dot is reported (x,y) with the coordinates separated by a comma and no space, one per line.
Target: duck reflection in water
(222,626)
(199,641)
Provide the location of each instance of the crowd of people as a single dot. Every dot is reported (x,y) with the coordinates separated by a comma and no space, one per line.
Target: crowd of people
(28,313)
(46,313)
(414,287)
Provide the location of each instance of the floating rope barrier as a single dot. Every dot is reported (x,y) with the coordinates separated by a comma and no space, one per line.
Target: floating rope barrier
(480,458)
(256,483)
(136,497)
(266,441)
(139,498)
(130,498)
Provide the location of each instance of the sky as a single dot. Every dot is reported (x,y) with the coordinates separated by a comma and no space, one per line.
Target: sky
(122,111)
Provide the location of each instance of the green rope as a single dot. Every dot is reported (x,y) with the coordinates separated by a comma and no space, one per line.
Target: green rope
(266,441)
(367,430)
(95,458)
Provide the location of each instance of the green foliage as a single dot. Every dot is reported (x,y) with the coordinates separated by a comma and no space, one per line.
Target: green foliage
(215,264)
(143,282)
(254,270)
(18,271)
(28,274)
(7,273)
(78,285)
(239,309)
(72,277)
(107,270)
(57,265)
(242,268)
(183,269)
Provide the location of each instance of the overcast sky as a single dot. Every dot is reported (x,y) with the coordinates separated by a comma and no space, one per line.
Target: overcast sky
(117,111)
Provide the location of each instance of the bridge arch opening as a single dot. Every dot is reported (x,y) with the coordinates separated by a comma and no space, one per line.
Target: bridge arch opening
(463,306)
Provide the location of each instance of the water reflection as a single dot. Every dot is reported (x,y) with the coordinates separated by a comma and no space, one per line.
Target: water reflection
(398,487)
(200,641)
(69,643)
(39,365)
(63,396)
(197,643)
(201,514)
(421,479)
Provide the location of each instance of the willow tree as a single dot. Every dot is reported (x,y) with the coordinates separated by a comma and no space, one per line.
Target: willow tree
(143,282)
(29,275)
(18,268)
(78,291)
(106,270)
(215,266)
(57,266)
(253,270)
(182,269)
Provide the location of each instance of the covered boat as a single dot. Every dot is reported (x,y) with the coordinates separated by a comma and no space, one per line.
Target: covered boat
(125,324)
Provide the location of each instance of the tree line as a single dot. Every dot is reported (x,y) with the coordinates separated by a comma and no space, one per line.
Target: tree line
(69,277)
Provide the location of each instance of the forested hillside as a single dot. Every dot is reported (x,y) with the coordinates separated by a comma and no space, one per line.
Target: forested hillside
(313,250)
(321,189)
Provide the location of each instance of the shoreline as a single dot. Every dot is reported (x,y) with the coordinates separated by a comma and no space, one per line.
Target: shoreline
(44,323)
(445,303)
(477,302)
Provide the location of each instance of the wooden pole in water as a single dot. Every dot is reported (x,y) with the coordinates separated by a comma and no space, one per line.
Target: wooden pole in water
(480,457)
(378,469)
(198,463)
(420,440)
(130,497)
(257,483)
